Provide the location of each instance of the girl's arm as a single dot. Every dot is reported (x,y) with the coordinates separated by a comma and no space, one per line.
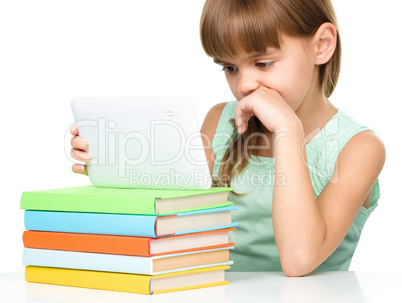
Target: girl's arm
(308,230)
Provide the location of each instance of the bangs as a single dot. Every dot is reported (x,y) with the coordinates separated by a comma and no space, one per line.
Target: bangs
(230,28)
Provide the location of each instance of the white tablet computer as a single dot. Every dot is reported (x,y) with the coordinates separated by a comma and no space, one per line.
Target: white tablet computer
(143,142)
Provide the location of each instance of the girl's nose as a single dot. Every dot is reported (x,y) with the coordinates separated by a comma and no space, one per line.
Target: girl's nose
(247,83)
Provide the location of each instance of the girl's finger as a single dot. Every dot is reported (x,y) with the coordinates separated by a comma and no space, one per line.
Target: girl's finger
(74,130)
(80,169)
(244,126)
(249,115)
(239,114)
(79,143)
(80,155)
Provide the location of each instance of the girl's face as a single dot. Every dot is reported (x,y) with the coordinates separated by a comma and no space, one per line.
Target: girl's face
(289,70)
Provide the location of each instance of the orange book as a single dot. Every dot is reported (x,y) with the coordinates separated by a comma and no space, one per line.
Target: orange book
(127,245)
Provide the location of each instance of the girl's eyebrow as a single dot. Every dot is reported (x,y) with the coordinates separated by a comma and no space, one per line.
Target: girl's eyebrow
(218,61)
(254,55)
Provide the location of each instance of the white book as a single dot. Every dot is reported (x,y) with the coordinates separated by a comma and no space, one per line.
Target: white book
(155,265)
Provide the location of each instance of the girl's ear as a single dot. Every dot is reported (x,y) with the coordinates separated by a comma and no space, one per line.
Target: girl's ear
(325,42)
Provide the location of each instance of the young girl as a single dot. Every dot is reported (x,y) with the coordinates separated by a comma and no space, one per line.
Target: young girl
(304,173)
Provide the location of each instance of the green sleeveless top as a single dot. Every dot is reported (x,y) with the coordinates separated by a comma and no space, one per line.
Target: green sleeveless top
(255,248)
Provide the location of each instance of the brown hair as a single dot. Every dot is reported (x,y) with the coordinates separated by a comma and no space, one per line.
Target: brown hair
(234,27)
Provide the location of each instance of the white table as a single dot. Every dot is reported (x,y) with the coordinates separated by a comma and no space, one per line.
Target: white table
(248,287)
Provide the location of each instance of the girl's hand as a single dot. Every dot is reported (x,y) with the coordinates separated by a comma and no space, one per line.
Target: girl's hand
(78,151)
(269,107)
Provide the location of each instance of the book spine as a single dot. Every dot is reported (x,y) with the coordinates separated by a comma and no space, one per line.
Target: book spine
(88,261)
(89,279)
(36,200)
(108,244)
(90,223)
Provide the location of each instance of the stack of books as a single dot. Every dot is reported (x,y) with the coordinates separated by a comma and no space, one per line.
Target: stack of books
(132,240)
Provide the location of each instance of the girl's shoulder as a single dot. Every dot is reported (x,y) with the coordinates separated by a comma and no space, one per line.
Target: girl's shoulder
(212,118)
(343,139)
(219,117)
(217,109)
(338,131)
(345,128)
(208,130)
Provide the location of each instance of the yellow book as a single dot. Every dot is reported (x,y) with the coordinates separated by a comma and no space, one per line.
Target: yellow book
(140,284)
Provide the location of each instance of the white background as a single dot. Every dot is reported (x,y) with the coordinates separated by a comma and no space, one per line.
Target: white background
(52,51)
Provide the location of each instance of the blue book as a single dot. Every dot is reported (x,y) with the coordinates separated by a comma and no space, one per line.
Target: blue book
(130,225)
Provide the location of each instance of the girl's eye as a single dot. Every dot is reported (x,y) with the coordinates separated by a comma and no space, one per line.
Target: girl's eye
(229,69)
(264,64)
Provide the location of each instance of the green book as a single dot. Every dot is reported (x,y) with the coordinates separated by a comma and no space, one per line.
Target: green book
(124,200)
